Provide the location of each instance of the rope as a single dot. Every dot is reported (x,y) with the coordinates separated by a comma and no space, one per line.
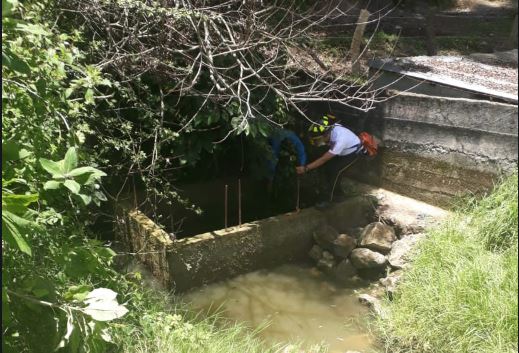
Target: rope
(338,174)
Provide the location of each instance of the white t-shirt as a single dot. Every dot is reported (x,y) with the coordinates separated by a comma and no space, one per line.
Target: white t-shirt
(343,141)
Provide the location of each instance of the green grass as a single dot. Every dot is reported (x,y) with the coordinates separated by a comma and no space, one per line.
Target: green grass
(461,293)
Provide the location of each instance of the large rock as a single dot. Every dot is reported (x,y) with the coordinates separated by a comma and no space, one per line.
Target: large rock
(371,302)
(345,271)
(363,258)
(316,253)
(326,265)
(399,254)
(378,237)
(325,236)
(343,245)
(328,256)
(355,232)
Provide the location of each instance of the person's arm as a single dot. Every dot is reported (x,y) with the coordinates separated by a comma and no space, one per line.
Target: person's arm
(316,164)
(300,148)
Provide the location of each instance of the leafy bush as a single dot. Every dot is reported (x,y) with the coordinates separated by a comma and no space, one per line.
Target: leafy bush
(52,267)
(62,135)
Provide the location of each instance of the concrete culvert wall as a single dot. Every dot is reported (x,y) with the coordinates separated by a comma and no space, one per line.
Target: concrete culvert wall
(472,134)
(435,148)
(214,256)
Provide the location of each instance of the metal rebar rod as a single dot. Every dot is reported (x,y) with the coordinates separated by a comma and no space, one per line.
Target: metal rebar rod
(226,198)
(239,202)
(298,188)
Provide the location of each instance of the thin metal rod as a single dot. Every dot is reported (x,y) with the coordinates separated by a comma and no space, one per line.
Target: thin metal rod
(239,202)
(226,203)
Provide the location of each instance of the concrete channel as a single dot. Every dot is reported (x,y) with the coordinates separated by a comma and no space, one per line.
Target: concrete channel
(221,254)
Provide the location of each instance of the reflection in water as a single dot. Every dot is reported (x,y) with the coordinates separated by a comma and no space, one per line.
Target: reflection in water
(299,306)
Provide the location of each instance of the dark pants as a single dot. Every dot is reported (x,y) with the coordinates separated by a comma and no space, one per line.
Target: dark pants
(334,171)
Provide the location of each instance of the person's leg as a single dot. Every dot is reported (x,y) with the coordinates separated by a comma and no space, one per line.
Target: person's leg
(335,174)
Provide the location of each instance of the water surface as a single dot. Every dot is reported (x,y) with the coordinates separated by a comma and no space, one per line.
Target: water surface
(297,303)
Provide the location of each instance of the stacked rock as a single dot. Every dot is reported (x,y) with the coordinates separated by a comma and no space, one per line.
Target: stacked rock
(363,252)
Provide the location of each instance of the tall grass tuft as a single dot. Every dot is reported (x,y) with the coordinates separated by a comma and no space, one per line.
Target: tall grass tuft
(460,294)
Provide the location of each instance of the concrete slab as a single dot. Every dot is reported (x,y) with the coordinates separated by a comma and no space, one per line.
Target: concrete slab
(406,214)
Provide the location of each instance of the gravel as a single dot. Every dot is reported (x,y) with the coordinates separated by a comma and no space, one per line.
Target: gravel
(492,74)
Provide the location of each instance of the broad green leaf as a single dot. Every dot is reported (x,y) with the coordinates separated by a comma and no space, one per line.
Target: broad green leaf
(68,92)
(81,295)
(73,186)
(15,63)
(12,151)
(84,170)
(70,161)
(24,200)
(100,195)
(51,185)
(85,198)
(8,6)
(89,96)
(41,86)
(102,305)
(89,179)
(13,229)
(40,292)
(17,204)
(78,293)
(80,262)
(52,167)
(21,181)
(32,29)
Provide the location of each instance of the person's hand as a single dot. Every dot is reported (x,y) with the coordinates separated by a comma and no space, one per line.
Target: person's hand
(301,169)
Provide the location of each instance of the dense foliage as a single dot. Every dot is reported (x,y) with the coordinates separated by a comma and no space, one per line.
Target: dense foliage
(461,292)
(53,269)
(68,131)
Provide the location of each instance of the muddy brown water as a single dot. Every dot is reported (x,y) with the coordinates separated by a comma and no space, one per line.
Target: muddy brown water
(296,304)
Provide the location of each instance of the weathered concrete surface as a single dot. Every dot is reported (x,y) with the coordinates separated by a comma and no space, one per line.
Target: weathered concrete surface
(405,214)
(461,113)
(437,148)
(214,256)
(472,134)
(147,240)
(434,148)
(426,179)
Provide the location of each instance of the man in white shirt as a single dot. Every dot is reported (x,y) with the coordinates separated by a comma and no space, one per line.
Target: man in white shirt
(345,148)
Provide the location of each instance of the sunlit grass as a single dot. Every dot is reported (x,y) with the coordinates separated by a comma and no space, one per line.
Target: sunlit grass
(461,293)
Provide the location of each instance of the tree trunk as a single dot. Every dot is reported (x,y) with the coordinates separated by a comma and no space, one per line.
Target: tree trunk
(357,40)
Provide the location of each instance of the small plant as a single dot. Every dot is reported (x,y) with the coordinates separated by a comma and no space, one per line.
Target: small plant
(65,173)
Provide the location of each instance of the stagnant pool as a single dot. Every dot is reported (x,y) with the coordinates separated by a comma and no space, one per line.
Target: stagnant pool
(298,305)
